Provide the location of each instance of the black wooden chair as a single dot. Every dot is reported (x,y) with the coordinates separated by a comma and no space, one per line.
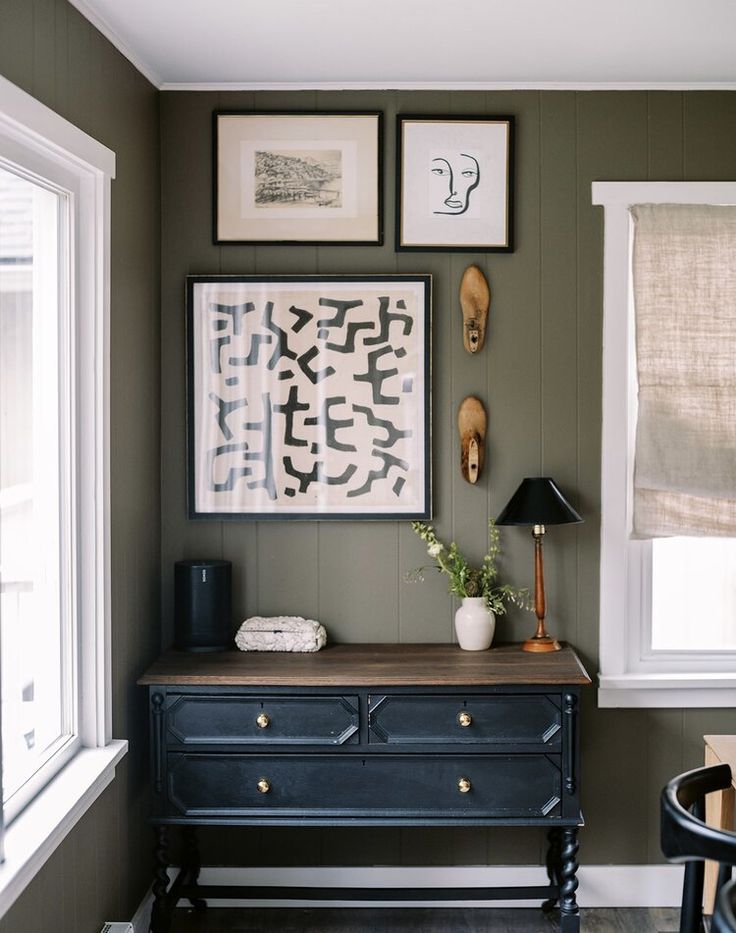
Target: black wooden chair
(686,838)
(724,917)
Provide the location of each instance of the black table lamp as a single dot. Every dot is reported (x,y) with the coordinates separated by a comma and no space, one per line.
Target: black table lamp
(538,502)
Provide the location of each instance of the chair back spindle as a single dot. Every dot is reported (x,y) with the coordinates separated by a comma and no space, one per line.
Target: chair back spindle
(685,837)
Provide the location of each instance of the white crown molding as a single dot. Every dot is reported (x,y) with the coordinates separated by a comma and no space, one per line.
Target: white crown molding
(109,33)
(389,85)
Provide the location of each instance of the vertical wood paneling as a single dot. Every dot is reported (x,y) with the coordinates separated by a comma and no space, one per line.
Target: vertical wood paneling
(664,760)
(611,144)
(84,852)
(514,350)
(665,136)
(187,247)
(61,56)
(559,356)
(288,569)
(44,51)
(527,846)
(360,845)
(17,40)
(358,581)
(240,541)
(62,863)
(425,611)
(700,722)
(709,123)
(539,376)
(79,51)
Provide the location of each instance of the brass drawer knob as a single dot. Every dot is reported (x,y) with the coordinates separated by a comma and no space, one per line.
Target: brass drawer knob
(263,786)
(263,720)
(464,718)
(463,785)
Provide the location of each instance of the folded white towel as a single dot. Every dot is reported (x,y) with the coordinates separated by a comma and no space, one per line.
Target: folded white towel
(280,633)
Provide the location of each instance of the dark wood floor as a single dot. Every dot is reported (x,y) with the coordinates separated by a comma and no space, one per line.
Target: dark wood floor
(416,920)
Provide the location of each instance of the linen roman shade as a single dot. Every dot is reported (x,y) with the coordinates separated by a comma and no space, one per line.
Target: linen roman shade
(684,270)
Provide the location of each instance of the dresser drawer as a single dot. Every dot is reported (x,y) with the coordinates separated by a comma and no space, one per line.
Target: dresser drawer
(384,786)
(193,719)
(502,719)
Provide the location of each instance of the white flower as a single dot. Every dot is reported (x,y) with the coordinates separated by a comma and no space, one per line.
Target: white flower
(434,550)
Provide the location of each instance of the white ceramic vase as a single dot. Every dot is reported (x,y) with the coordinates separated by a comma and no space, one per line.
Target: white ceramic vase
(474,624)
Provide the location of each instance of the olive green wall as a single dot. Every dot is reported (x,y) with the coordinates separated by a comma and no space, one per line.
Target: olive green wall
(540,377)
(103,867)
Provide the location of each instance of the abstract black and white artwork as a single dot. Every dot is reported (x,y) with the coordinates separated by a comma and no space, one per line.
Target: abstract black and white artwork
(455,185)
(297,178)
(309,397)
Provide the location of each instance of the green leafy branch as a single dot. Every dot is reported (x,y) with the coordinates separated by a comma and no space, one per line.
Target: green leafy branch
(465,580)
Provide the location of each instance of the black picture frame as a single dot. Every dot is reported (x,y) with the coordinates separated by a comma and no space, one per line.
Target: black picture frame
(256,202)
(433,151)
(329,372)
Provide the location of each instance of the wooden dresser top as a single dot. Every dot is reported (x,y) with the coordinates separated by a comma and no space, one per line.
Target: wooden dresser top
(369,666)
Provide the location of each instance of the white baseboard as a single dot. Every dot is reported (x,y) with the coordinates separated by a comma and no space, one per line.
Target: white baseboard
(600,885)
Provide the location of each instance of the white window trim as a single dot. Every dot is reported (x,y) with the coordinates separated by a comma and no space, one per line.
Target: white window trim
(627,678)
(41,826)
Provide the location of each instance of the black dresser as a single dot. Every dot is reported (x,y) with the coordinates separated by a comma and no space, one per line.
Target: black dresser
(382,735)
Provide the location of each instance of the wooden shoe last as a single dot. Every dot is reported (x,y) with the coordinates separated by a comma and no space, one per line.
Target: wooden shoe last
(471,423)
(475,300)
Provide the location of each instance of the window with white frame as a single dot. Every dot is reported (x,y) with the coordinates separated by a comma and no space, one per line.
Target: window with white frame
(57,753)
(38,666)
(668,539)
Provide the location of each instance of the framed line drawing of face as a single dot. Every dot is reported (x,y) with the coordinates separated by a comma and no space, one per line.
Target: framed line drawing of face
(454,186)
(453,178)
(308,397)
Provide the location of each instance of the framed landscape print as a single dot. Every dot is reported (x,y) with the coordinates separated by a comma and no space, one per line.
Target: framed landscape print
(297,178)
(454,187)
(308,396)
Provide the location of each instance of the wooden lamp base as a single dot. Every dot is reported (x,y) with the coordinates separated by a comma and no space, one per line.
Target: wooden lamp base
(540,640)
(541,643)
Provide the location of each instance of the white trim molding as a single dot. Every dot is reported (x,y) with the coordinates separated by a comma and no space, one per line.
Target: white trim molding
(57,138)
(37,142)
(600,885)
(626,679)
(389,85)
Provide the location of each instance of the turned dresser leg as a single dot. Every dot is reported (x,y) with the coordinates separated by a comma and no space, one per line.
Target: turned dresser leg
(569,913)
(554,849)
(161,912)
(191,864)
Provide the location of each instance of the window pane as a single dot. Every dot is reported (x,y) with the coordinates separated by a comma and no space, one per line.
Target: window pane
(694,594)
(34,620)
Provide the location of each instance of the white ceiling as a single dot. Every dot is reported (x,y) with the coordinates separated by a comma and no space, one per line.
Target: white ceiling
(424,43)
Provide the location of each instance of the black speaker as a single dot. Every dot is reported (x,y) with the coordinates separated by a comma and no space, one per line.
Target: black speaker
(202,607)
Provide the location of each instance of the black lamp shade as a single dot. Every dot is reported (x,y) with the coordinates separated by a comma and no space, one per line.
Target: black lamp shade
(538,501)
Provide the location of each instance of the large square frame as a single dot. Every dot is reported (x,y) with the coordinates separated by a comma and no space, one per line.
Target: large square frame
(454,183)
(291,178)
(309,397)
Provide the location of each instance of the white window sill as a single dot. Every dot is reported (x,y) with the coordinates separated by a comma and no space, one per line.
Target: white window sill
(43,824)
(667,690)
